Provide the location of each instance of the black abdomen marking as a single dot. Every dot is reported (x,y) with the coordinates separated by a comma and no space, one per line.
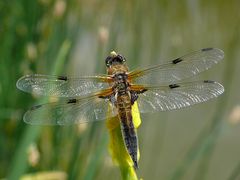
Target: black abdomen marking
(130,141)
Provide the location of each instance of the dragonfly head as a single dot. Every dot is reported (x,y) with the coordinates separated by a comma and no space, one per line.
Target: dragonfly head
(114,59)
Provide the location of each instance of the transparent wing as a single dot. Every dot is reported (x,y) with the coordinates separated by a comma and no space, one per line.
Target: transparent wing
(178,69)
(70,112)
(176,96)
(62,86)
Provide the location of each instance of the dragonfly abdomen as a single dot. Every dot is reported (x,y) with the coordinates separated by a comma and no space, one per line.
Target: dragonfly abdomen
(130,141)
(127,127)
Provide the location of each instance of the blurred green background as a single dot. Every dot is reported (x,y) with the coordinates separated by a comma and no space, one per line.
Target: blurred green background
(73,38)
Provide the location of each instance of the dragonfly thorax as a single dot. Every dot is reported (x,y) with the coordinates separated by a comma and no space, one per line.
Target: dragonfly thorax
(121,84)
(120,77)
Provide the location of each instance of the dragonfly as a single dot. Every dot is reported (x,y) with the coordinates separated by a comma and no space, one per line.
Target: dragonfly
(161,87)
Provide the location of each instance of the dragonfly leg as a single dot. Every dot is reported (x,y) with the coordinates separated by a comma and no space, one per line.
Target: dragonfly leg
(134,96)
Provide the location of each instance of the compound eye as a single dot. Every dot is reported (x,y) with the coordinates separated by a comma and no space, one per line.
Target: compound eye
(121,58)
(108,61)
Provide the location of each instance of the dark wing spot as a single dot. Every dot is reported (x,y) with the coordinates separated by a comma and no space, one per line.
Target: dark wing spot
(104,97)
(207,49)
(64,78)
(178,60)
(35,107)
(72,101)
(142,91)
(172,86)
(208,81)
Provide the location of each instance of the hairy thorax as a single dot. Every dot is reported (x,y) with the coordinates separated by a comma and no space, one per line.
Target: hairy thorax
(120,86)
(115,69)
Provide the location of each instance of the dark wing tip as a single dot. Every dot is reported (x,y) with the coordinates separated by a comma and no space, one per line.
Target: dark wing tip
(207,49)
(209,81)
(215,51)
(64,78)
(172,86)
(216,84)
(178,60)
(72,101)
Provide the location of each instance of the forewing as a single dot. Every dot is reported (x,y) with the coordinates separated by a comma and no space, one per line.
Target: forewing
(70,112)
(176,96)
(62,86)
(178,69)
